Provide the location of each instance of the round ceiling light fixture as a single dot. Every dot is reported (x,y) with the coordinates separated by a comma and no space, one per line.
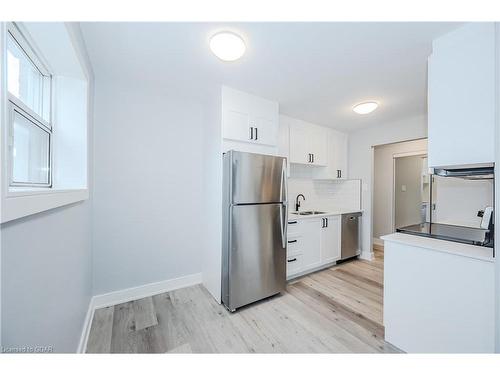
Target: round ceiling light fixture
(227,46)
(365,107)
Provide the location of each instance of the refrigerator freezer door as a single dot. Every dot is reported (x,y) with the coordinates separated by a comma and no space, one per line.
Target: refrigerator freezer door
(257,178)
(257,258)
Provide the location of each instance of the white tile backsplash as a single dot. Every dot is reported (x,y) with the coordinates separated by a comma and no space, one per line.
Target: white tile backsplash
(325,195)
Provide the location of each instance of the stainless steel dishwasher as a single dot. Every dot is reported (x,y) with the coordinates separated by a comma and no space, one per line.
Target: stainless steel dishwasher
(350,235)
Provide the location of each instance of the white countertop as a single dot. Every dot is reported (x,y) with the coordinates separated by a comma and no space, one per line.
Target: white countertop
(294,216)
(456,248)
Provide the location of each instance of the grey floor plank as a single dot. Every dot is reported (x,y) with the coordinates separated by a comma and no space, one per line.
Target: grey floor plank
(123,339)
(100,333)
(144,313)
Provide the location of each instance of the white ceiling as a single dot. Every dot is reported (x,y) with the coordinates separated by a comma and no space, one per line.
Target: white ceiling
(316,71)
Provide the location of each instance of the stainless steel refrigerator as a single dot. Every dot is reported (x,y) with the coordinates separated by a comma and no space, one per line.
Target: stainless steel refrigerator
(254,227)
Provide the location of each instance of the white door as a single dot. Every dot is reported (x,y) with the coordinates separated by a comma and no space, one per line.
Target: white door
(330,239)
(311,253)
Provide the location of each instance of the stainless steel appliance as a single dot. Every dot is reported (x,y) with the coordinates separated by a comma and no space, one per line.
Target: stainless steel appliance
(350,235)
(254,227)
(484,233)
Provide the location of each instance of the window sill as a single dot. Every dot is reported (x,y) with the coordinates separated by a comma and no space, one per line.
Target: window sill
(21,202)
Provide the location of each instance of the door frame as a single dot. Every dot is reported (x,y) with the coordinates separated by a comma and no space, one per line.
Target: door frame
(393,192)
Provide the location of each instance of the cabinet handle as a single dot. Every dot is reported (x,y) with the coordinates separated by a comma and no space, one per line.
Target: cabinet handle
(292,222)
(312,158)
(322,222)
(291,260)
(326,220)
(292,241)
(251,134)
(256,133)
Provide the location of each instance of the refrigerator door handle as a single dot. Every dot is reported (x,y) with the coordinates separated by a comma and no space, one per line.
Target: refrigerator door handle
(284,200)
(283,184)
(283,224)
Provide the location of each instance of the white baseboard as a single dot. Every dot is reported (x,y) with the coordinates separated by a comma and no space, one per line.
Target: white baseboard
(147,290)
(367,255)
(82,345)
(125,295)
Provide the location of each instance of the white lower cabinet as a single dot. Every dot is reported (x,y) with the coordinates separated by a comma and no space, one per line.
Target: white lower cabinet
(330,239)
(311,252)
(312,243)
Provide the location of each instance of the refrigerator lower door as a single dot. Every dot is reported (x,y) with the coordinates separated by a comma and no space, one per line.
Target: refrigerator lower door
(257,253)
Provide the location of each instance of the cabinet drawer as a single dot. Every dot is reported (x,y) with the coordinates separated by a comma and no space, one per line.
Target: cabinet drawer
(293,264)
(293,246)
(293,227)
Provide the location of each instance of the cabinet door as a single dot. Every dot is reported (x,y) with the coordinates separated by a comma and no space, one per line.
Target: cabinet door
(236,125)
(330,240)
(338,150)
(299,150)
(461,97)
(248,118)
(311,252)
(265,130)
(317,145)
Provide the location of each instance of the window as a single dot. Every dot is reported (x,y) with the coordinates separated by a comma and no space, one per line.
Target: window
(44,128)
(30,127)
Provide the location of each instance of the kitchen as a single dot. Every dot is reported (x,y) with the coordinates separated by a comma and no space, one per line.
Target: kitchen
(247,199)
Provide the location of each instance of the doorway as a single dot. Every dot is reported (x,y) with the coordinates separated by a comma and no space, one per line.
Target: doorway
(411,190)
(383,219)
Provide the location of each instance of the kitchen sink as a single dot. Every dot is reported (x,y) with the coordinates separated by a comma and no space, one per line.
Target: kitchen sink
(309,213)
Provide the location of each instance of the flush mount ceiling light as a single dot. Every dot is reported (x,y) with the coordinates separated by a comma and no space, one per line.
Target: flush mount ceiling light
(365,107)
(227,46)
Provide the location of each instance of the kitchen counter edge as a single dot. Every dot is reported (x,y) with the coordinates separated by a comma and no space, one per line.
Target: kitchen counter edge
(454,248)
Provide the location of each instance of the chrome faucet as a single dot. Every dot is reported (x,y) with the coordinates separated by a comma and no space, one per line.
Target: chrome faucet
(297,202)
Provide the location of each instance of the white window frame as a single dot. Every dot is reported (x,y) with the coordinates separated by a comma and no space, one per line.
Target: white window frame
(17,105)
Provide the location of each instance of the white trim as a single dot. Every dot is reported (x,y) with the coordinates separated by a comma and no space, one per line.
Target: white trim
(147,290)
(410,153)
(17,206)
(367,255)
(125,295)
(87,323)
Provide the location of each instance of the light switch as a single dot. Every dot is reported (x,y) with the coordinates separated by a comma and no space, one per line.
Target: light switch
(403,187)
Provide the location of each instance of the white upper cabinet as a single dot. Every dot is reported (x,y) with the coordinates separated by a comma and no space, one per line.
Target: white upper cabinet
(337,155)
(461,97)
(308,143)
(248,118)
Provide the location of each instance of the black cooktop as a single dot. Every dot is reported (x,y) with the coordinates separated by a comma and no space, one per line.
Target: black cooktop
(455,233)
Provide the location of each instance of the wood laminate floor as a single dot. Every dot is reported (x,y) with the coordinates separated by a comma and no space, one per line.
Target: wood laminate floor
(337,310)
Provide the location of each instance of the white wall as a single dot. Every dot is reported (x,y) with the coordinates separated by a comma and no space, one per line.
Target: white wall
(46,268)
(383,182)
(361,144)
(148,217)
